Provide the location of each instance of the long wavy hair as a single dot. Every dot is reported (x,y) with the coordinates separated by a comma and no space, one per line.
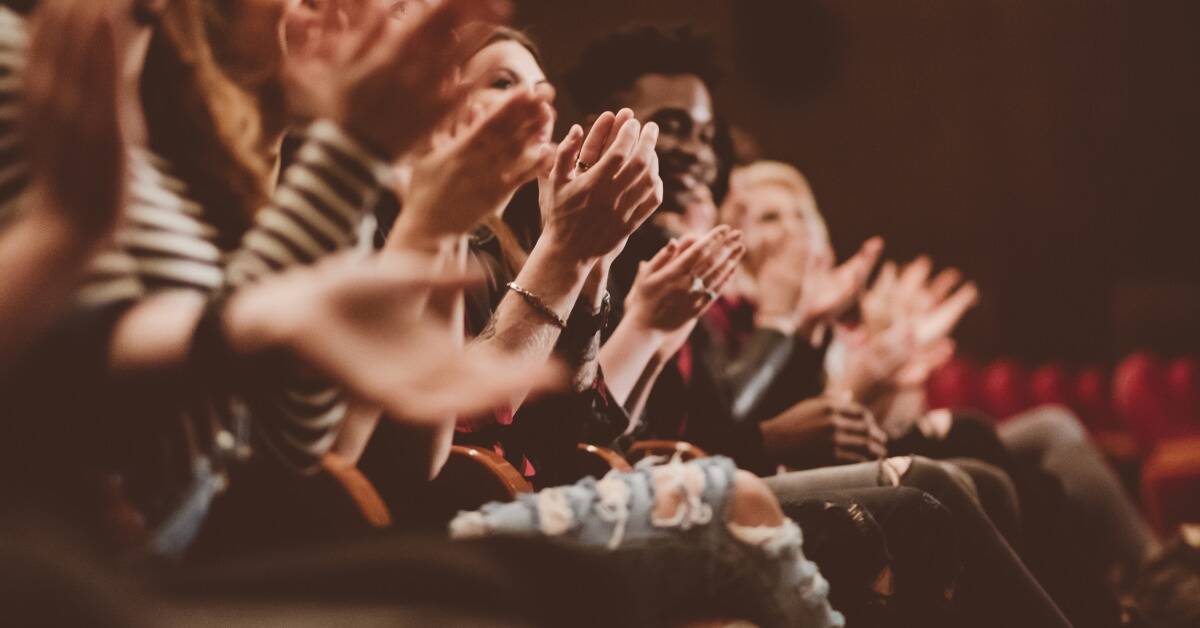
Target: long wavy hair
(200,121)
(511,249)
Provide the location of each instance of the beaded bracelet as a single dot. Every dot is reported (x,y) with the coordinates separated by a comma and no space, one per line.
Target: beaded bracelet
(538,304)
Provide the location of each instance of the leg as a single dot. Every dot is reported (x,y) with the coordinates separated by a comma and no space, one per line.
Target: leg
(996,588)
(1055,439)
(698,538)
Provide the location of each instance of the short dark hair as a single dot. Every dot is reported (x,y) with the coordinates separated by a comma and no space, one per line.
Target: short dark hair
(612,64)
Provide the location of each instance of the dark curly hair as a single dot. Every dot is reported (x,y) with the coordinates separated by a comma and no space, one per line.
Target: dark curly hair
(612,64)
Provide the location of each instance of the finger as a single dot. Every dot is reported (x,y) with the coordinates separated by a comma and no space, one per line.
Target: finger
(946,316)
(848,408)
(623,116)
(683,264)
(943,283)
(566,155)
(708,267)
(663,256)
(634,198)
(915,275)
(853,426)
(727,271)
(618,153)
(642,159)
(597,138)
(652,203)
(877,449)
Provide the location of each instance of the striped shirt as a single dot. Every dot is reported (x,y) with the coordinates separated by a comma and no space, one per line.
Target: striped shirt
(13,173)
(165,243)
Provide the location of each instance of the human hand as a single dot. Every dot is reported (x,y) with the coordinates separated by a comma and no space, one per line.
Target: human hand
(830,291)
(475,164)
(822,432)
(356,323)
(663,299)
(73,109)
(591,211)
(391,82)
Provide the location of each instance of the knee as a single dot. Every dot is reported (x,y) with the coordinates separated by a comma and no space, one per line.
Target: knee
(753,503)
(943,481)
(1056,423)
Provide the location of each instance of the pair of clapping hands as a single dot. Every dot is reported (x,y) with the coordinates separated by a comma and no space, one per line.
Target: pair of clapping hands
(908,316)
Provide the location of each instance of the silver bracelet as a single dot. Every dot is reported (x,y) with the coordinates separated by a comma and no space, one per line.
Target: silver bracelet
(538,304)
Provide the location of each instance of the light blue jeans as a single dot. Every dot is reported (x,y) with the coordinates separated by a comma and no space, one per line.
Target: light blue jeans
(692,564)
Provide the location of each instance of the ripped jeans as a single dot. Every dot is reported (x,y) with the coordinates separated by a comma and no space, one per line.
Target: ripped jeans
(694,563)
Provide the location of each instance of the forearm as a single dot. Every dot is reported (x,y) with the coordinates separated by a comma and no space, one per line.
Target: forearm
(523,331)
(156,333)
(361,420)
(626,357)
(518,328)
(581,354)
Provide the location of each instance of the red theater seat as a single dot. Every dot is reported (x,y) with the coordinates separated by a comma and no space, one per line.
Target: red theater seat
(1171,484)
(1005,389)
(1050,384)
(954,386)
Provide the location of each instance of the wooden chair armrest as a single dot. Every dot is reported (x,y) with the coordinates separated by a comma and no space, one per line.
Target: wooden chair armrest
(472,477)
(668,448)
(602,458)
(359,489)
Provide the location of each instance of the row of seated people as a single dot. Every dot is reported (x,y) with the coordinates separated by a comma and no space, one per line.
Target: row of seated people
(241,371)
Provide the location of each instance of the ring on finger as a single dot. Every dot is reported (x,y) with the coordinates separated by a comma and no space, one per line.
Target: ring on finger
(697,288)
(582,166)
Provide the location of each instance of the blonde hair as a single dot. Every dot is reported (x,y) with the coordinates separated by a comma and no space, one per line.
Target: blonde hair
(775,173)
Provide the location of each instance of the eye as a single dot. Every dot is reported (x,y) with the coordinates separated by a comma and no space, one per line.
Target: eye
(769,217)
(502,83)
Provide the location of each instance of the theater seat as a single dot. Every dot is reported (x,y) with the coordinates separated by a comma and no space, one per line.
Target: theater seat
(665,448)
(359,491)
(472,477)
(954,386)
(594,461)
(1004,386)
(1171,484)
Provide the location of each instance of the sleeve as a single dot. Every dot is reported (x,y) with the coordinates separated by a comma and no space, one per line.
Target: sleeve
(322,200)
(744,366)
(13,168)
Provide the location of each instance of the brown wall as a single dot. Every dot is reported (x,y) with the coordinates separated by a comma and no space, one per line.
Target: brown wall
(1043,146)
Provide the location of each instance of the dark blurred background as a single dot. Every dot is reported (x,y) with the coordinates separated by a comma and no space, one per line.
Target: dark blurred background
(1045,147)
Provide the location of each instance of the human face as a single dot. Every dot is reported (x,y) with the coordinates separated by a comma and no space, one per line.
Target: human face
(499,68)
(773,216)
(683,108)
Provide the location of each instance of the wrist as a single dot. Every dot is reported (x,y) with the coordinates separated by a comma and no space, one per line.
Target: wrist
(411,233)
(252,322)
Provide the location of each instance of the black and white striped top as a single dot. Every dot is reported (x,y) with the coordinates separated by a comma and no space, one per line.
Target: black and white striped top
(13,173)
(166,243)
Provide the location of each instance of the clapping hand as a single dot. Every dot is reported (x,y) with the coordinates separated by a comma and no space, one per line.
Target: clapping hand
(389,82)
(475,163)
(601,188)
(674,288)
(822,432)
(356,323)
